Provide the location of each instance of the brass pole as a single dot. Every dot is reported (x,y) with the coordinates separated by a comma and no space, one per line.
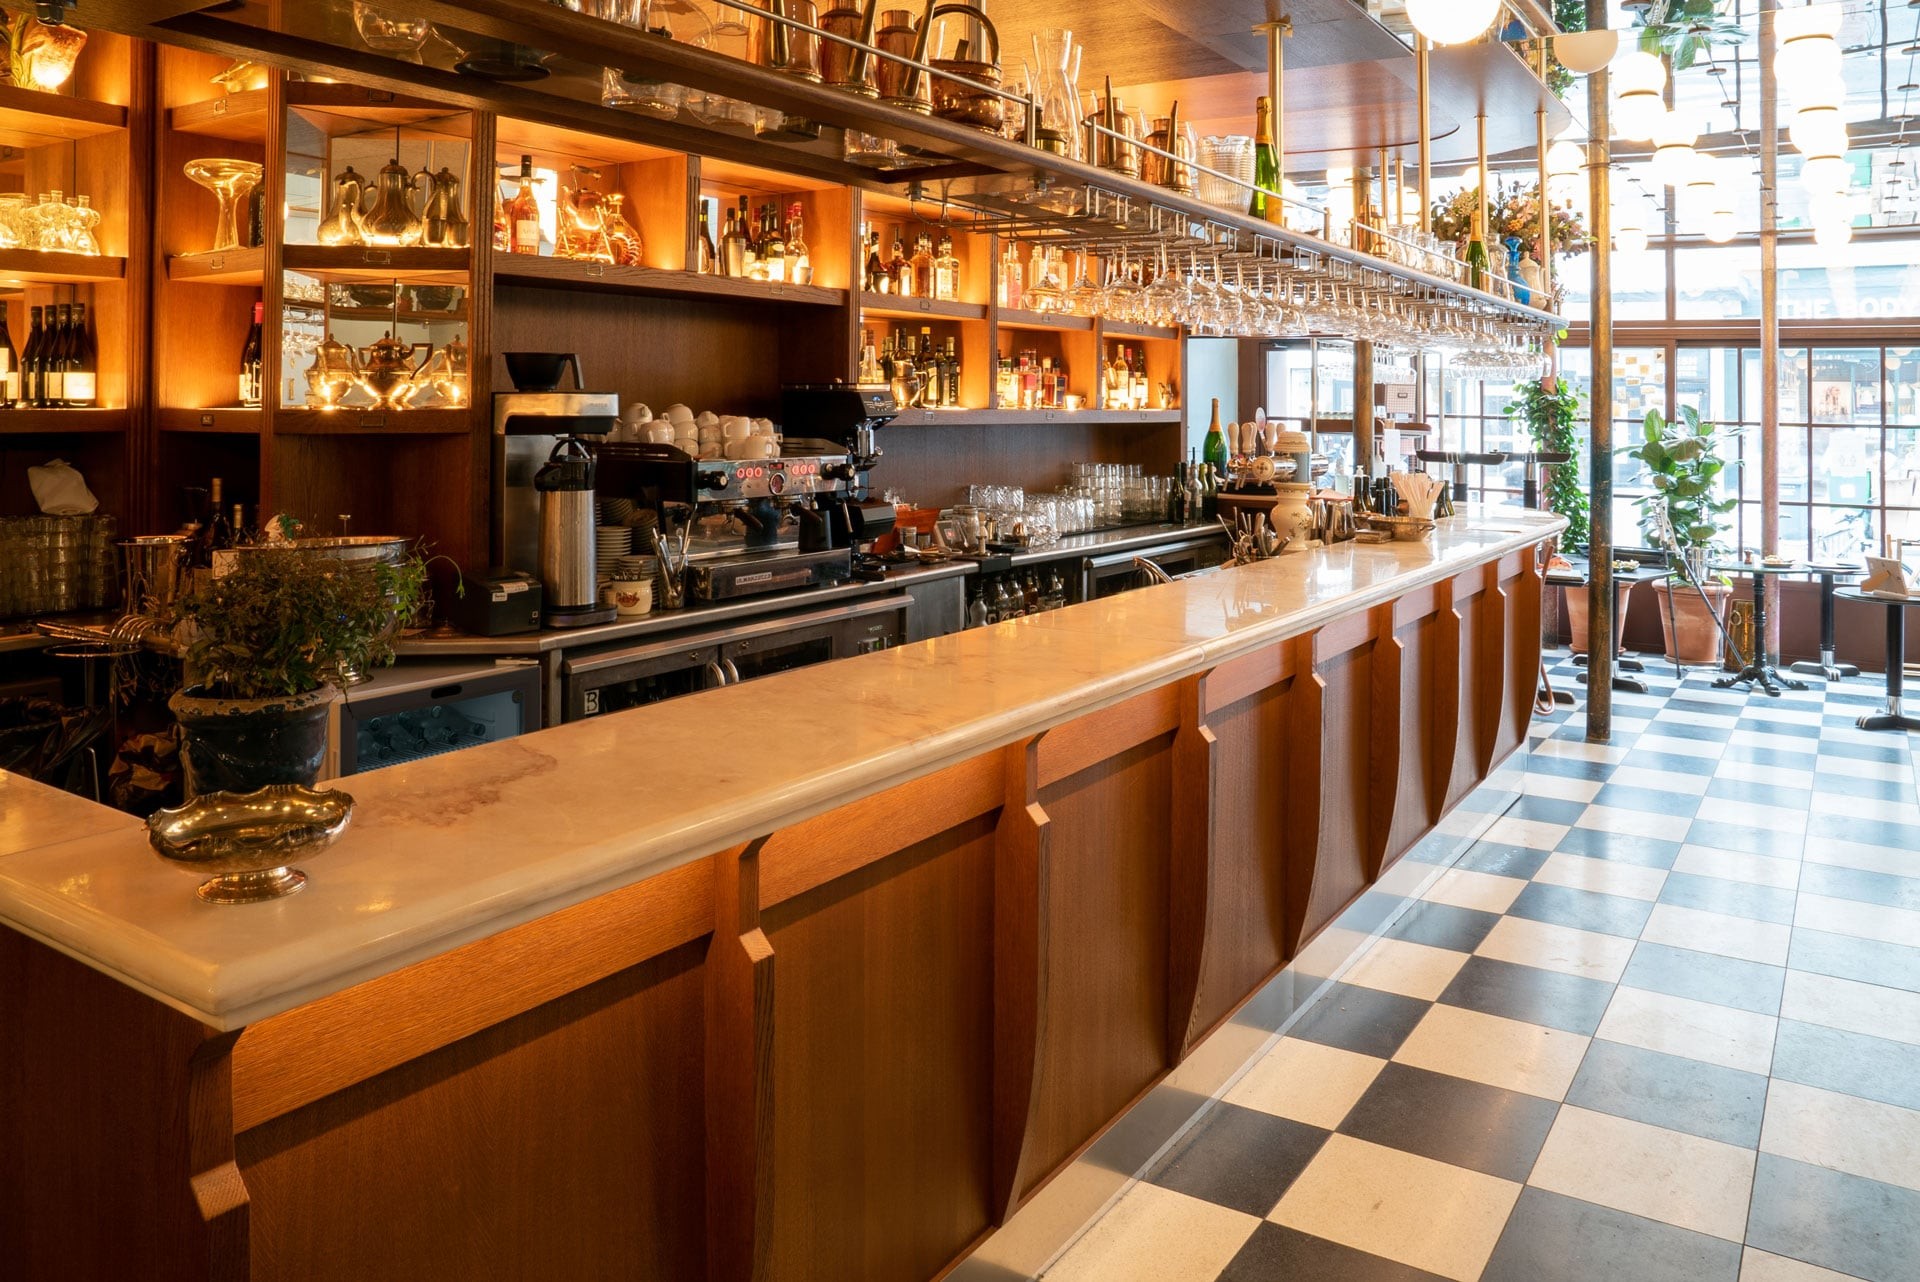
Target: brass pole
(1546,217)
(1769,323)
(1486,198)
(1276,33)
(1600,405)
(1423,73)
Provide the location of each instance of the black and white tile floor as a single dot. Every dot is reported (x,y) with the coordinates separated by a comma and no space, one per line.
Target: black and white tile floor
(1659,1023)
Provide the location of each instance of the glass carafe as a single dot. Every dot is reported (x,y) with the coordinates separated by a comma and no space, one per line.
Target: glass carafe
(86,223)
(623,237)
(343,225)
(582,229)
(391,220)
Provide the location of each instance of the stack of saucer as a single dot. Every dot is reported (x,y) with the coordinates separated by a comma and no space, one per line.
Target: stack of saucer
(616,511)
(611,543)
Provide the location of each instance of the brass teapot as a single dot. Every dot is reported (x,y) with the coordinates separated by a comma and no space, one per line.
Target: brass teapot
(448,372)
(334,373)
(388,373)
(443,221)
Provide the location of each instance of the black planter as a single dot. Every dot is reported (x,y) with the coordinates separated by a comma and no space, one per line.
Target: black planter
(240,745)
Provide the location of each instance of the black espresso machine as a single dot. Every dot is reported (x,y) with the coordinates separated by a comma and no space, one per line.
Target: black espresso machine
(778,524)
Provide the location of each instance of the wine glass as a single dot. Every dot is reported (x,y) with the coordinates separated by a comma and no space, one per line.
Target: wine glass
(231,181)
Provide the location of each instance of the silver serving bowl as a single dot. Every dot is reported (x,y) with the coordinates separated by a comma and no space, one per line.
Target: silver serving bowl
(356,547)
(248,840)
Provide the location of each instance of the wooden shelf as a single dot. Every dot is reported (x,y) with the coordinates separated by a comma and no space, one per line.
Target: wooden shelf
(1014,319)
(237,117)
(29,118)
(32,422)
(1025,418)
(526,269)
(553,146)
(893,307)
(362,262)
(27,265)
(361,422)
(221,267)
(231,420)
(340,110)
(1131,329)
(405,316)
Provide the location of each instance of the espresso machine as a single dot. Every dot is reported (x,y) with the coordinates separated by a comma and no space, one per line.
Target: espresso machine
(846,417)
(531,428)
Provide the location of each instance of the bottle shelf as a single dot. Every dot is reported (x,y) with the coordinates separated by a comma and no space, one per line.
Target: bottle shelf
(38,422)
(1011,318)
(220,267)
(29,118)
(237,117)
(300,421)
(31,266)
(405,316)
(1029,418)
(526,269)
(365,262)
(231,420)
(894,307)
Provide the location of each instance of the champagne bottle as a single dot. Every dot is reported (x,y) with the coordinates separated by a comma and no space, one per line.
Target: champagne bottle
(1477,249)
(708,258)
(53,364)
(82,377)
(250,359)
(219,530)
(1266,165)
(9,366)
(32,384)
(1214,448)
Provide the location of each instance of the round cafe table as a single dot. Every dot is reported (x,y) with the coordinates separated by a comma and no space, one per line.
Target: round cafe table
(1893,717)
(1828,576)
(1760,670)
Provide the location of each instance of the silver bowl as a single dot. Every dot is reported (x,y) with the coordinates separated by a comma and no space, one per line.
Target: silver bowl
(249,840)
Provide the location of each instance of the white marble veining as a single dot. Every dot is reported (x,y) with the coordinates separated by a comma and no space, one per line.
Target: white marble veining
(459,847)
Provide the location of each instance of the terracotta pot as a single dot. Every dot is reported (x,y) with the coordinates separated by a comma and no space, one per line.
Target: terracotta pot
(240,745)
(1577,621)
(1692,636)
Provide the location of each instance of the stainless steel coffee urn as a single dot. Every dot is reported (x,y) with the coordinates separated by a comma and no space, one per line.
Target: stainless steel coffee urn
(567,520)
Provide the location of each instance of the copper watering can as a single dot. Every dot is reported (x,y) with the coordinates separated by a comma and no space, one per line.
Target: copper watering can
(1175,173)
(902,85)
(843,66)
(792,50)
(961,102)
(1118,155)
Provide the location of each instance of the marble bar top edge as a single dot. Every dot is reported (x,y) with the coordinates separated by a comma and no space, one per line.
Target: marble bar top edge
(229,967)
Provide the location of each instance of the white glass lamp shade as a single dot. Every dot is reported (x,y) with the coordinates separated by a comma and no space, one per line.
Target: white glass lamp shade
(1638,70)
(1819,131)
(1805,60)
(1700,194)
(1826,173)
(1585,52)
(1639,79)
(1565,157)
(1452,22)
(1722,226)
(1819,89)
(1808,20)
(1630,240)
(1826,209)
(1674,158)
(1833,235)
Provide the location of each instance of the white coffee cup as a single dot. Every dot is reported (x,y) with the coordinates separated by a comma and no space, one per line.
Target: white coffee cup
(659,433)
(677,413)
(636,414)
(735,428)
(631,597)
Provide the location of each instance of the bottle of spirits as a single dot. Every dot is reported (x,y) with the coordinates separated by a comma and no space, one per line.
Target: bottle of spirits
(219,526)
(82,382)
(922,263)
(1137,380)
(9,367)
(32,382)
(1266,165)
(523,213)
(709,258)
(242,535)
(1477,249)
(53,364)
(901,268)
(1011,275)
(773,248)
(250,359)
(799,260)
(749,241)
(733,247)
(946,269)
(879,279)
(953,372)
(1030,589)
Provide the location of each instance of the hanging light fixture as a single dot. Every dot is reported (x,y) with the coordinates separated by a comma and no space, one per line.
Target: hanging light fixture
(1722,225)
(1808,52)
(1640,81)
(1630,230)
(1833,235)
(1452,22)
(1826,172)
(1701,194)
(1673,153)
(1565,158)
(1819,130)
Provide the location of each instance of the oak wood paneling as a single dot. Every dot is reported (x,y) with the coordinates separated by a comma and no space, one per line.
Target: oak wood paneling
(565,1142)
(1427,709)
(1344,654)
(882,1064)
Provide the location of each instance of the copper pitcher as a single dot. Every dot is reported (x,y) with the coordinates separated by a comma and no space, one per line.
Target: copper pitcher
(956,100)
(1169,135)
(843,66)
(902,85)
(792,50)
(1118,155)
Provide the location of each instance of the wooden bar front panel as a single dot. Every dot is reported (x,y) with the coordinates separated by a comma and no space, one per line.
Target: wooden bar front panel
(845,1050)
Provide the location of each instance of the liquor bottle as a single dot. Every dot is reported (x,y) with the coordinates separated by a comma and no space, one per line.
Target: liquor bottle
(749,242)
(879,280)
(523,214)
(900,267)
(1477,250)
(922,265)
(1056,590)
(773,248)
(1266,165)
(241,535)
(1012,291)
(946,269)
(953,372)
(799,260)
(81,366)
(9,366)
(1194,509)
(53,361)
(733,247)
(31,382)
(709,258)
(1137,380)
(1214,448)
(1030,589)
(1209,492)
(250,359)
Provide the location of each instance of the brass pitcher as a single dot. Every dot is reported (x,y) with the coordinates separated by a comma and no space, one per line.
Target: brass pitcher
(1169,135)
(388,371)
(449,373)
(960,102)
(392,221)
(900,84)
(444,222)
(343,227)
(843,66)
(1118,155)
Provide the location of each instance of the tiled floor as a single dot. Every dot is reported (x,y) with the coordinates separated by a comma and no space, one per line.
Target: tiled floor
(1660,1024)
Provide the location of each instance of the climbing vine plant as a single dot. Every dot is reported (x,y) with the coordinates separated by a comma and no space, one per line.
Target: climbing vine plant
(1550,409)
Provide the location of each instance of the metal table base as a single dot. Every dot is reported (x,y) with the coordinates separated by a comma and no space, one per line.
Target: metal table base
(1760,670)
(1827,667)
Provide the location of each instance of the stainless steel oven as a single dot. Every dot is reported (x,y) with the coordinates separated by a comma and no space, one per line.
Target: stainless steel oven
(617,677)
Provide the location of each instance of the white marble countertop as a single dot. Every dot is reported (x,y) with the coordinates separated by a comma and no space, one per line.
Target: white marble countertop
(458,847)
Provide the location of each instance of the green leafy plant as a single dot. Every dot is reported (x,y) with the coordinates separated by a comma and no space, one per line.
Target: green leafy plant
(284,621)
(1684,460)
(1550,409)
(1684,29)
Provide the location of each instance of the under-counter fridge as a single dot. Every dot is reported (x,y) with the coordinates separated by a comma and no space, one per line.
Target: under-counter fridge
(416,710)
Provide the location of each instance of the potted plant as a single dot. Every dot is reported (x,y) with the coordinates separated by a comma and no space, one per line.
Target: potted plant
(1549,408)
(1681,515)
(265,642)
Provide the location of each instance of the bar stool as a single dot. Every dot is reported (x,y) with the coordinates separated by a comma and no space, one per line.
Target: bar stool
(1832,671)
(1893,717)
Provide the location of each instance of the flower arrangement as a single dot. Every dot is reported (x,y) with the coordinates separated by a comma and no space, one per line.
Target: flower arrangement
(1513,213)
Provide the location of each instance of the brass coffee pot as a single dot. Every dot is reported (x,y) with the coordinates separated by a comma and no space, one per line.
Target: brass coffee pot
(334,373)
(392,221)
(444,222)
(388,373)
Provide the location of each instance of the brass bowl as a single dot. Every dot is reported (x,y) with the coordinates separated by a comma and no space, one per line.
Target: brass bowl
(249,840)
(1405,529)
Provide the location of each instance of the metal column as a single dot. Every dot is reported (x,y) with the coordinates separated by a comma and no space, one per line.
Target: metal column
(1423,69)
(1600,544)
(1769,323)
(1276,33)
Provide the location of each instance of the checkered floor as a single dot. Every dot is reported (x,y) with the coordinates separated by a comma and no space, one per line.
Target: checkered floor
(1661,1024)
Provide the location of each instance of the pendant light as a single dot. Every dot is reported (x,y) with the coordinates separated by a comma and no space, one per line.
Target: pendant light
(1819,130)
(1630,230)
(1565,157)
(1722,226)
(1700,195)
(1808,52)
(1673,154)
(1833,235)
(1826,173)
(1452,22)
(1640,81)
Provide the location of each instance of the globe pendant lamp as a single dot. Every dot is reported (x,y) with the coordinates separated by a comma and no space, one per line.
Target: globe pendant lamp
(1640,80)
(1807,49)
(1701,194)
(1833,235)
(1452,22)
(1819,130)
(1565,157)
(1673,154)
(1826,172)
(1629,232)
(1721,226)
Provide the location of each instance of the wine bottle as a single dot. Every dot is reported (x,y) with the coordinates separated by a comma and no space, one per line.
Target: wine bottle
(523,213)
(250,359)
(1266,165)
(799,260)
(1214,448)
(708,257)
(9,366)
(773,247)
(219,530)
(32,380)
(81,366)
(1477,249)
(53,364)
(749,242)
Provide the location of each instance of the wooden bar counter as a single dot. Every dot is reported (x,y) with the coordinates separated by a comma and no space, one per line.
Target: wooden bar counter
(817,977)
